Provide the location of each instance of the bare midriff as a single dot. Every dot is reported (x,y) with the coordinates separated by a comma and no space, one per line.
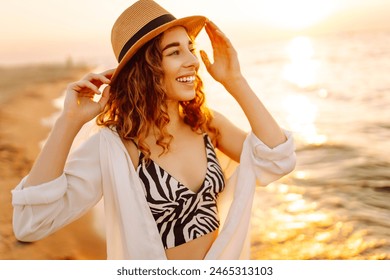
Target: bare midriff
(193,250)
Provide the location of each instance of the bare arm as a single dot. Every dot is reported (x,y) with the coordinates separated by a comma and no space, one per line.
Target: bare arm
(226,70)
(79,108)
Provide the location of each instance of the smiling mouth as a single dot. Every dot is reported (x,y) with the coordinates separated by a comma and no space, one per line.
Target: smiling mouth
(186,80)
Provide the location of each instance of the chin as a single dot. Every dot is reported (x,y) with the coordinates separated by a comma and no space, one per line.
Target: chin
(189,96)
(184,95)
(181,93)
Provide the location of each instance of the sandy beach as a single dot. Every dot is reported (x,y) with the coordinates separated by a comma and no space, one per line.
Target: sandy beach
(26,97)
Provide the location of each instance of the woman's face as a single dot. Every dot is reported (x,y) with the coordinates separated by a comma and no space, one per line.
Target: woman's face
(179,64)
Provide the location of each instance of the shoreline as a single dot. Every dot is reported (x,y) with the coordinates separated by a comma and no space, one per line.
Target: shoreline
(26,98)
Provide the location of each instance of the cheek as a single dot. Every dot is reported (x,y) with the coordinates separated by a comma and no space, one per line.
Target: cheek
(168,84)
(169,78)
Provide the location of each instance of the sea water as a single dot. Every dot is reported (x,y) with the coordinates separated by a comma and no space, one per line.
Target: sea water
(333,93)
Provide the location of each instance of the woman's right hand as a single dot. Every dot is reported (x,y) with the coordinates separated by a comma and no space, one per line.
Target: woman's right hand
(79,106)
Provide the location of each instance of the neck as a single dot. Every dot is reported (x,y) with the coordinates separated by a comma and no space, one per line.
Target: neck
(176,122)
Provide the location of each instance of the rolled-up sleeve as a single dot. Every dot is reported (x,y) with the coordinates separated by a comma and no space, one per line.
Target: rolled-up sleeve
(45,193)
(270,164)
(41,210)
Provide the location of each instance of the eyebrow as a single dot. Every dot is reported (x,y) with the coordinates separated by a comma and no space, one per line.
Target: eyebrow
(175,44)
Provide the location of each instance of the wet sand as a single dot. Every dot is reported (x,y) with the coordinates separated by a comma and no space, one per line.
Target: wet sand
(26,97)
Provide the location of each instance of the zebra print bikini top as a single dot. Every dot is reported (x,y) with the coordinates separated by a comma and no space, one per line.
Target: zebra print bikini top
(182,215)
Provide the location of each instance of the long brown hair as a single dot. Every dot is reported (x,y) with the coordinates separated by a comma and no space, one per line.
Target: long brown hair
(138,101)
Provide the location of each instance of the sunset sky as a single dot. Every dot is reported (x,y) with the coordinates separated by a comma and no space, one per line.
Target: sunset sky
(53,30)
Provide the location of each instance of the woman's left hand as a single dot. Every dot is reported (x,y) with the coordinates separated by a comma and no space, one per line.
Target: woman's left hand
(226,66)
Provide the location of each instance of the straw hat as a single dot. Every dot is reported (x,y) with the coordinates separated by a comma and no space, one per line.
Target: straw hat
(140,23)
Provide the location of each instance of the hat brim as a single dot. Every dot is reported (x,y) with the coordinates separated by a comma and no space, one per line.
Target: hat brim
(192,24)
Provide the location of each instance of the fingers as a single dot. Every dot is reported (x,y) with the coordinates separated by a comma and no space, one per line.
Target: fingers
(217,37)
(81,100)
(205,59)
(90,84)
(84,88)
(212,27)
(209,31)
(108,73)
(104,99)
(99,79)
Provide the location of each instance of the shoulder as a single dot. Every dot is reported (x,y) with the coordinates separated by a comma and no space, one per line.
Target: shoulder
(132,151)
(224,126)
(219,121)
(218,118)
(229,138)
(215,125)
(129,146)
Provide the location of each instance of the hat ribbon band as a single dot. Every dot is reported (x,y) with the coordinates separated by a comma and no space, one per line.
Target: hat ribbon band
(153,24)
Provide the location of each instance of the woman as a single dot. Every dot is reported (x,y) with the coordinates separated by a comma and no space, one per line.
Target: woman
(153,159)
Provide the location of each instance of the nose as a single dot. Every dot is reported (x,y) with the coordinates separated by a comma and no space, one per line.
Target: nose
(191,60)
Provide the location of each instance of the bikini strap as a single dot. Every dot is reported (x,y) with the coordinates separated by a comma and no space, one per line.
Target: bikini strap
(132,140)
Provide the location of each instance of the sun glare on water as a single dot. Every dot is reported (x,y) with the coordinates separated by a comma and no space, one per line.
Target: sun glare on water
(302,72)
(302,69)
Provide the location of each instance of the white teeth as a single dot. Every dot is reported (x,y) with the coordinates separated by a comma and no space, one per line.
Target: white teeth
(188,79)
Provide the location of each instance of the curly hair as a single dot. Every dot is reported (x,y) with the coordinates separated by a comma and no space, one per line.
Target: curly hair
(138,101)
